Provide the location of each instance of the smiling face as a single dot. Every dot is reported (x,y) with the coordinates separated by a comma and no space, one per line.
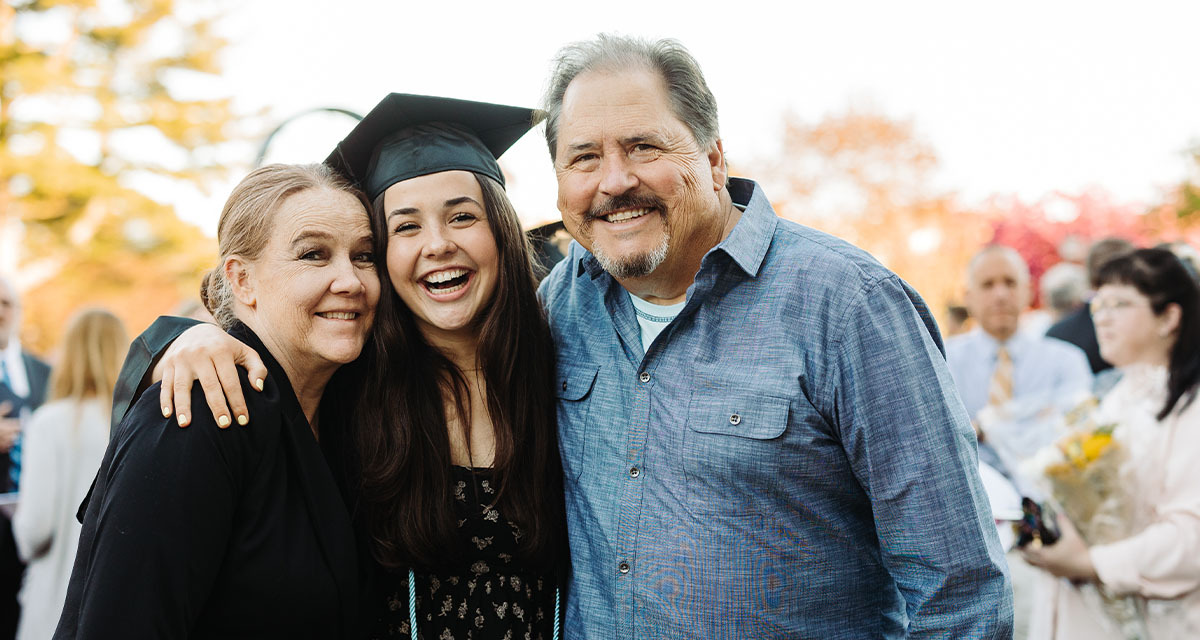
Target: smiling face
(311,293)
(634,188)
(441,255)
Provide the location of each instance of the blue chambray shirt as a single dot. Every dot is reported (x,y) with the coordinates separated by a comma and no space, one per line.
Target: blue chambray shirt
(789,459)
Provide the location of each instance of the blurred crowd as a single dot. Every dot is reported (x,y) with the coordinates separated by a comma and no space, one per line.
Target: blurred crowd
(1085,403)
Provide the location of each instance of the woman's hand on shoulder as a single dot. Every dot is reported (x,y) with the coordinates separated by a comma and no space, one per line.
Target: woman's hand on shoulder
(208,354)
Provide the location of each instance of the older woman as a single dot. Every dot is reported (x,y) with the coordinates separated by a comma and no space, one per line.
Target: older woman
(1147,314)
(242,533)
(459,480)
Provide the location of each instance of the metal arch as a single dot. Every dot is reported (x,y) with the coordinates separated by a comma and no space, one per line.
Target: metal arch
(262,150)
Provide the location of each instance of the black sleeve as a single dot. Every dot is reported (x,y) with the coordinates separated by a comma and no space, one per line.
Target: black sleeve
(144,352)
(158,528)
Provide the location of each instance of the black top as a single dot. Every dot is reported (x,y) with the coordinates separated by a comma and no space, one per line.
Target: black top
(215,533)
(487,592)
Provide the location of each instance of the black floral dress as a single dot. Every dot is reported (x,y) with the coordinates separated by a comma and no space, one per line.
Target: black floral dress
(488,595)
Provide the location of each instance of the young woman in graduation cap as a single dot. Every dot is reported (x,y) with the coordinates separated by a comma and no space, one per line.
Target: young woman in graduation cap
(453,472)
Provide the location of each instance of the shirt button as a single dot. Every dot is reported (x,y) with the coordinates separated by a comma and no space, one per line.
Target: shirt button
(564,386)
(635,472)
(623,567)
(645,377)
(735,419)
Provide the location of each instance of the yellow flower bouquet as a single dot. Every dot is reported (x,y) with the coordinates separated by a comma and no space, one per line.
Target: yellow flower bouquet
(1082,475)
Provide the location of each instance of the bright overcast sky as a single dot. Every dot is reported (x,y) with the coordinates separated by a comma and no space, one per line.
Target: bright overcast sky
(1015,97)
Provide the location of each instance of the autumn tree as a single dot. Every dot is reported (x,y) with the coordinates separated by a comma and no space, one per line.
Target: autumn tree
(90,113)
(868,179)
(1177,216)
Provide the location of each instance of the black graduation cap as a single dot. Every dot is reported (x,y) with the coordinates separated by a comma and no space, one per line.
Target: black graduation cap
(406,136)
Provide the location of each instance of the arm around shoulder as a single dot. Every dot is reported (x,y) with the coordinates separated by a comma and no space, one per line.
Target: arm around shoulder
(144,352)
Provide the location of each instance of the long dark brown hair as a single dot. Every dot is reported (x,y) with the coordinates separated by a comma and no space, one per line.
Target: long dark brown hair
(1160,276)
(401,432)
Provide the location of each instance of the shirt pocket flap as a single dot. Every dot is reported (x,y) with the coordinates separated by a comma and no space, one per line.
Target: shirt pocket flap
(738,414)
(575,382)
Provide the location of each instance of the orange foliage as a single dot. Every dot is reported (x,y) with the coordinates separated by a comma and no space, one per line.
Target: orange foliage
(868,179)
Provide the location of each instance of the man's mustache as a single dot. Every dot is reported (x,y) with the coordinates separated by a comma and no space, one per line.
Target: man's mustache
(624,202)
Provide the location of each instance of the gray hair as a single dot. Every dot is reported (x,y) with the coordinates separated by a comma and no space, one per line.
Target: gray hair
(247,219)
(690,98)
(1064,286)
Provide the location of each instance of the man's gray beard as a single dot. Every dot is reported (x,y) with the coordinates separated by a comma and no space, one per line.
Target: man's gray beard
(638,266)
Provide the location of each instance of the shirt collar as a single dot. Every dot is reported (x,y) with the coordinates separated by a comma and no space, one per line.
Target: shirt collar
(1015,345)
(747,244)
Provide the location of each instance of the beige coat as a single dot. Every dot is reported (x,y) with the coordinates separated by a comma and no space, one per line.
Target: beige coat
(1160,563)
(63,445)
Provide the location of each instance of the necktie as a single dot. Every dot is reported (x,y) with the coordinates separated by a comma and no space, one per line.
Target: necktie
(4,372)
(1000,391)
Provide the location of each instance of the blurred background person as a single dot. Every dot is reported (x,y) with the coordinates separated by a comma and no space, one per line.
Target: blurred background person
(1073,250)
(994,365)
(23,381)
(1076,327)
(1064,289)
(1147,314)
(1014,373)
(63,445)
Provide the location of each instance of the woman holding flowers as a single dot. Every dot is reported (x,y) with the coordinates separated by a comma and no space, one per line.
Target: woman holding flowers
(1147,315)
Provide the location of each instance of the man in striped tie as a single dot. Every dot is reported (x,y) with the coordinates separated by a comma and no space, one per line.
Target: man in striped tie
(997,364)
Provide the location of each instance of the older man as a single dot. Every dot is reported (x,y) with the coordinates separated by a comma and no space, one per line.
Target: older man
(996,364)
(759,433)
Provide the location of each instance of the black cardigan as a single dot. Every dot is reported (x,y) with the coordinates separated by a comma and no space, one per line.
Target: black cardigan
(215,533)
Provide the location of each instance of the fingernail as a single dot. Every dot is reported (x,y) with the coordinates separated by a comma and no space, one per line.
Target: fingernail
(166,412)
(223,421)
(183,419)
(243,420)
(259,383)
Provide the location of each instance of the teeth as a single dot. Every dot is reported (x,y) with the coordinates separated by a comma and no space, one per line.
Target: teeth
(622,216)
(456,287)
(445,276)
(338,315)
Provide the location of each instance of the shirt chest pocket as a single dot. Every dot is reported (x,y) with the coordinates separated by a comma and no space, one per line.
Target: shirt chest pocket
(574,391)
(733,446)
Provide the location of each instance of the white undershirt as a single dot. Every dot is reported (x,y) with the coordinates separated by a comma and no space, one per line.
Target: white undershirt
(653,318)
